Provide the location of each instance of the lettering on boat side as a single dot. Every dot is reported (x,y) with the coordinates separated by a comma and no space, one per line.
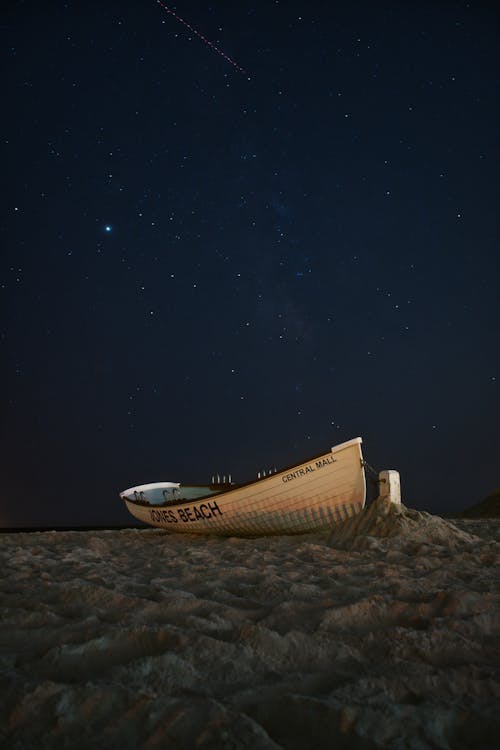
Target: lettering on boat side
(201,512)
(163,516)
(302,472)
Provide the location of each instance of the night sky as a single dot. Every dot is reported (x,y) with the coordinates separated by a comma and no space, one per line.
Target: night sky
(225,258)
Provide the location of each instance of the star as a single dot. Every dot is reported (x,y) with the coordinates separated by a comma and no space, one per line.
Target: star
(108,228)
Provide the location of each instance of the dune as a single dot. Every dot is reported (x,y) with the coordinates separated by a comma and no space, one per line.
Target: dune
(381,634)
(487,508)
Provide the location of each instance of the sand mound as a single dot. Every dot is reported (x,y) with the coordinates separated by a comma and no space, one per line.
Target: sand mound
(384,519)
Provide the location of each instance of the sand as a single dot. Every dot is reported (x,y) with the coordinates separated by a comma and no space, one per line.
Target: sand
(384,634)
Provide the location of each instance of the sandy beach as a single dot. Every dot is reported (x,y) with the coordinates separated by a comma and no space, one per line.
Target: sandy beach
(384,634)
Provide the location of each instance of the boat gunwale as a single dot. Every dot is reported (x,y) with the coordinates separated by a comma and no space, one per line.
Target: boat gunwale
(334,449)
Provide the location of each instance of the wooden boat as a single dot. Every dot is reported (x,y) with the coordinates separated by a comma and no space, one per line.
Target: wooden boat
(313,495)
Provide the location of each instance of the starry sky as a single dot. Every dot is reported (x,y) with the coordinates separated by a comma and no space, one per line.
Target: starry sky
(231,246)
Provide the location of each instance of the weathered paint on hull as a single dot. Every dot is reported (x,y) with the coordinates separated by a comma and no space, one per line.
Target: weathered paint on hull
(311,496)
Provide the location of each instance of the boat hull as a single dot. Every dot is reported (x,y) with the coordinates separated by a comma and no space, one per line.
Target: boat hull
(311,496)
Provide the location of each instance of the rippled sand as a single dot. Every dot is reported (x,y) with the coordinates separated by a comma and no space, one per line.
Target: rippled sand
(382,637)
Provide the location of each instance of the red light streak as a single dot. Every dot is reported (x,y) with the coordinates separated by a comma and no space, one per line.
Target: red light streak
(203,38)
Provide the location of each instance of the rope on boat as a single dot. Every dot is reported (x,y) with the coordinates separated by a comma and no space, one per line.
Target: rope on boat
(374,479)
(370,469)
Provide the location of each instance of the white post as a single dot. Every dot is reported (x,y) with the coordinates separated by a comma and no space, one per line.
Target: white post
(390,485)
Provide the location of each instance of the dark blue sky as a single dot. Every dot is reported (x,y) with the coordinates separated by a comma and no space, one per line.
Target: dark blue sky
(204,273)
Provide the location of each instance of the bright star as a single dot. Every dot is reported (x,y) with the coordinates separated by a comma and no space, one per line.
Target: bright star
(108,228)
